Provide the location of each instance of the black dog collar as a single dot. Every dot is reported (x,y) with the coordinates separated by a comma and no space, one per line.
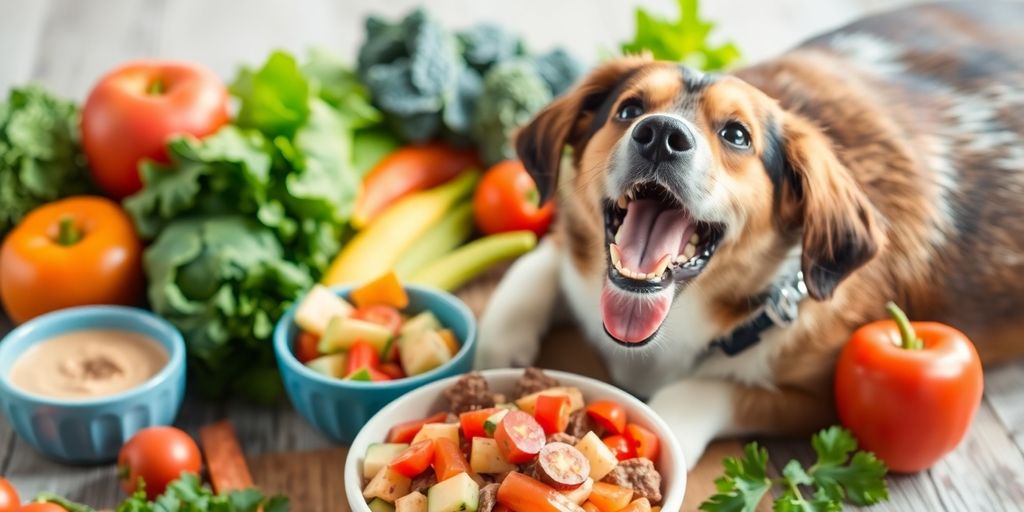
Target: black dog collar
(780,306)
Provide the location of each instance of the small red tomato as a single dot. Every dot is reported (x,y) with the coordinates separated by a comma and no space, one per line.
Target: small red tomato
(519,437)
(414,459)
(9,500)
(362,355)
(307,347)
(552,412)
(157,456)
(472,422)
(645,443)
(609,414)
(393,370)
(380,314)
(620,446)
(507,200)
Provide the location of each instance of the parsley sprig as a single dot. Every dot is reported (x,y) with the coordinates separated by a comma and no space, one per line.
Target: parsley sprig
(841,473)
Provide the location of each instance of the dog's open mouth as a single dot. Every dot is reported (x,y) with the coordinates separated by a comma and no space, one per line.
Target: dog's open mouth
(653,243)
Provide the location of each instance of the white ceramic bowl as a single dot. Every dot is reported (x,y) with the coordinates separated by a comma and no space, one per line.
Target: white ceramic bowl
(429,399)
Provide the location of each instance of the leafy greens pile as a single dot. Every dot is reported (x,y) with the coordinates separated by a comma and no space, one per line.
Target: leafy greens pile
(835,476)
(476,85)
(247,219)
(40,156)
(186,494)
(683,40)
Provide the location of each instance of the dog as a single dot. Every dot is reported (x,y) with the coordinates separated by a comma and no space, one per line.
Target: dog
(719,237)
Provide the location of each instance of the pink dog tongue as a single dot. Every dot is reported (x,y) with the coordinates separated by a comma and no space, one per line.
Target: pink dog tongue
(649,232)
(631,317)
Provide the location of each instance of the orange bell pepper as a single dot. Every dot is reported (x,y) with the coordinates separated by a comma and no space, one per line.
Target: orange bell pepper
(385,290)
(908,391)
(73,252)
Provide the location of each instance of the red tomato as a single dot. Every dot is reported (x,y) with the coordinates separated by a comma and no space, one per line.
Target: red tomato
(9,500)
(472,422)
(307,347)
(133,110)
(41,507)
(405,432)
(506,200)
(519,437)
(380,314)
(521,493)
(392,370)
(158,456)
(414,459)
(448,459)
(552,412)
(609,414)
(361,355)
(620,446)
(645,443)
(909,403)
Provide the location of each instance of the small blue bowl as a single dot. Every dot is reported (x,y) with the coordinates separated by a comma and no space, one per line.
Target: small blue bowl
(92,431)
(339,408)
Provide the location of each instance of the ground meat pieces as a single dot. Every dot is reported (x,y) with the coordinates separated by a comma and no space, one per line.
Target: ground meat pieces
(488,498)
(637,474)
(532,381)
(422,483)
(562,437)
(530,469)
(469,393)
(580,423)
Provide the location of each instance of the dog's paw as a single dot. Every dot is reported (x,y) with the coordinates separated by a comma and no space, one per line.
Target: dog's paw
(697,411)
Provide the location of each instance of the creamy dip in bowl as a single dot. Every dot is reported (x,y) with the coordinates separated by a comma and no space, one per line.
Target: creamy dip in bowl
(77,383)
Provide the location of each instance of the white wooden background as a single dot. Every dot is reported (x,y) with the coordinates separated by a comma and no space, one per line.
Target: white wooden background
(68,44)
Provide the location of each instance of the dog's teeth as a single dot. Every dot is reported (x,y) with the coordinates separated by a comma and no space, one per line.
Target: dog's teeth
(695,239)
(689,251)
(618,236)
(616,255)
(661,266)
(622,202)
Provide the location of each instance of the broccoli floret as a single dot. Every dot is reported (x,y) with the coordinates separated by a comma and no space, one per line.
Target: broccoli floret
(513,92)
(559,69)
(487,44)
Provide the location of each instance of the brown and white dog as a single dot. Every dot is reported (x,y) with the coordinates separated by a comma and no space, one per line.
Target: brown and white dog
(882,161)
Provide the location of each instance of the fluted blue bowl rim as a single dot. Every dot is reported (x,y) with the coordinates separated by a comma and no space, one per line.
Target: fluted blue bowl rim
(286,325)
(89,317)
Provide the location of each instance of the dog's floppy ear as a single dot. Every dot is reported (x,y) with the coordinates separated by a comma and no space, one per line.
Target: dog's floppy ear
(840,225)
(567,121)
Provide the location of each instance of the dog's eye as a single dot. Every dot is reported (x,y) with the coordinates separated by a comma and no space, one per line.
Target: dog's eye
(630,109)
(734,133)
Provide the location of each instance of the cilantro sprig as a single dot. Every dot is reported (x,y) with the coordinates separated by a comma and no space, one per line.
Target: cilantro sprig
(841,473)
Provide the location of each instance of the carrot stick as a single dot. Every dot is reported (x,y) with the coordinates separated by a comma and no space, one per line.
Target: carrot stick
(224,458)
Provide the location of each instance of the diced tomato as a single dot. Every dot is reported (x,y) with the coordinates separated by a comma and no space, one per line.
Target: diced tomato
(393,370)
(521,493)
(472,422)
(637,505)
(405,432)
(609,414)
(380,314)
(645,443)
(552,412)
(415,459)
(620,446)
(306,347)
(362,355)
(610,497)
(519,437)
(589,506)
(448,459)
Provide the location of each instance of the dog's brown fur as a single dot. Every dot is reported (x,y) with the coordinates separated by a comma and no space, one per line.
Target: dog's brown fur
(845,162)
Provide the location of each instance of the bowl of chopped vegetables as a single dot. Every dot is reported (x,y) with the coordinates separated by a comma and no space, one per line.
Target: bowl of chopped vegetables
(515,440)
(346,352)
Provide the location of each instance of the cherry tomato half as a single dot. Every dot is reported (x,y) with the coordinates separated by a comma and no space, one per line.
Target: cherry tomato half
(519,437)
(620,446)
(645,443)
(609,414)
(552,412)
(414,459)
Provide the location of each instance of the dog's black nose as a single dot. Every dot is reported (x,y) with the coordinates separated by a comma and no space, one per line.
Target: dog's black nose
(662,138)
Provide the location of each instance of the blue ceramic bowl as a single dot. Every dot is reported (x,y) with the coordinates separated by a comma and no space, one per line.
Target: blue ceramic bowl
(92,431)
(339,408)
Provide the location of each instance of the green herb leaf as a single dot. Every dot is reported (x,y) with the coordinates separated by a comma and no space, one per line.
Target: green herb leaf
(744,484)
(681,40)
(860,479)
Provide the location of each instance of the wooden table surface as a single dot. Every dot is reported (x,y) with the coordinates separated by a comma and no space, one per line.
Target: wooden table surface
(68,44)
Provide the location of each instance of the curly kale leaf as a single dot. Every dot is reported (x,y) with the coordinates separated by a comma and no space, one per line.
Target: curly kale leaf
(487,44)
(513,92)
(559,69)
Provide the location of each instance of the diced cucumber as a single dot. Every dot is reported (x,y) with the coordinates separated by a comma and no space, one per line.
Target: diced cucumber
(484,457)
(492,421)
(425,321)
(581,493)
(379,505)
(438,431)
(379,455)
(318,308)
(458,493)
(529,402)
(414,502)
(331,365)
(423,352)
(388,485)
(602,460)
(342,332)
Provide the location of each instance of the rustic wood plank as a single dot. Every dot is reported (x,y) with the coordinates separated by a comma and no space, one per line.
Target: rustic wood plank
(311,480)
(1004,389)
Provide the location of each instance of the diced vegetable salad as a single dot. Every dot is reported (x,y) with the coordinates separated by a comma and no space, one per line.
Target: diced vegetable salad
(370,337)
(546,450)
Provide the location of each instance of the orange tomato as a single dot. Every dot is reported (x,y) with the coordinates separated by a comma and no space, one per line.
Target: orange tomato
(507,200)
(645,443)
(908,391)
(9,501)
(76,251)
